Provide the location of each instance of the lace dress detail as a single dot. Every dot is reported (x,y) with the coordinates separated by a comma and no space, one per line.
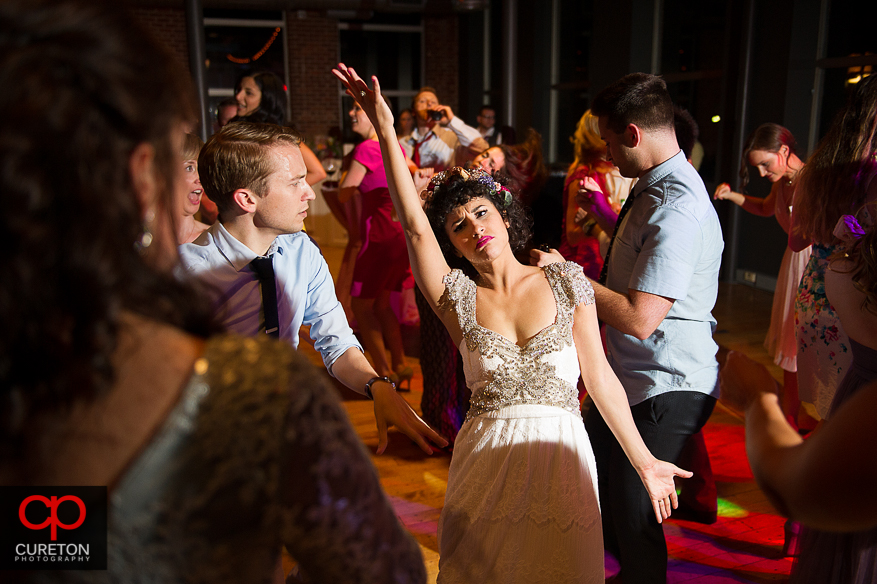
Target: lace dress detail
(522,375)
(521,503)
(258,453)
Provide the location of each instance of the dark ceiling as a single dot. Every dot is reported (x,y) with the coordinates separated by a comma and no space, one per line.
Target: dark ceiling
(360,6)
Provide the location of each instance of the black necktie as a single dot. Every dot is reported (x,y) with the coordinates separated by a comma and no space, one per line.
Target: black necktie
(624,209)
(264,270)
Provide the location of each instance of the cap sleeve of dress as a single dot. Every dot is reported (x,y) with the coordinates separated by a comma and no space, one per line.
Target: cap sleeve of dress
(570,277)
(459,295)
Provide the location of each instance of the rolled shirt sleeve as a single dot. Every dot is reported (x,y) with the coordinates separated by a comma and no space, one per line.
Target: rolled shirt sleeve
(305,289)
(323,312)
(667,258)
(465,134)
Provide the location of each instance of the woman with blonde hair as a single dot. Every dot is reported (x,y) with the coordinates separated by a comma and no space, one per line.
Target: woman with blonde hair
(581,236)
(189,200)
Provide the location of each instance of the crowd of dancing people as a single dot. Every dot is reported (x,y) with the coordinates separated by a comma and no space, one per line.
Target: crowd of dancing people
(157,288)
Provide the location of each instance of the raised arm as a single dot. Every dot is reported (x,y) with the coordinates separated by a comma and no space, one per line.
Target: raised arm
(606,391)
(589,196)
(427,262)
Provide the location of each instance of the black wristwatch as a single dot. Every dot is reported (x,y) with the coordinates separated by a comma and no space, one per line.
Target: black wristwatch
(368,385)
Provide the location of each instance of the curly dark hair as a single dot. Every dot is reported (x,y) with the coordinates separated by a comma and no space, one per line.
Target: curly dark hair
(457,191)
(87,86)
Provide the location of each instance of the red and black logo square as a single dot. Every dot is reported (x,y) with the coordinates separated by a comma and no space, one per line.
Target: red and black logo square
(53,528)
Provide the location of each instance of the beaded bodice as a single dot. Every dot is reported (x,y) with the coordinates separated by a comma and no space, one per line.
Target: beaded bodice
(544,370)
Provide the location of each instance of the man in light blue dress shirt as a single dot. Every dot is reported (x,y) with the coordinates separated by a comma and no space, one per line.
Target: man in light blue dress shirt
(660,288)
(256,176)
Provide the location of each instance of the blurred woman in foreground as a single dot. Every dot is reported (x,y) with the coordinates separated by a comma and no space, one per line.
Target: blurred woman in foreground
(111,371)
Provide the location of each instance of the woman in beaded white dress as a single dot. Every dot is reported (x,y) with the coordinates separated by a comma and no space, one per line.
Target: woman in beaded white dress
(521,502)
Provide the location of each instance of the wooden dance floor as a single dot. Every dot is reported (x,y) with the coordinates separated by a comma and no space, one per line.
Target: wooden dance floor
(744,545)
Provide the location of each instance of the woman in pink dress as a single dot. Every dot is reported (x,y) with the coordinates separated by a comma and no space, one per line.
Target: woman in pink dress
(580,235)
(382,263)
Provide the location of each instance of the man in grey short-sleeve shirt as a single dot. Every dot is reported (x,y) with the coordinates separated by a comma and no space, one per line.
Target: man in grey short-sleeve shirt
(661,284)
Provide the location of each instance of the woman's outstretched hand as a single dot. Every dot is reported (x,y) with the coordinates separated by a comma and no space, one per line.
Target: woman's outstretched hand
(370,100)
(723,191)
(658,480)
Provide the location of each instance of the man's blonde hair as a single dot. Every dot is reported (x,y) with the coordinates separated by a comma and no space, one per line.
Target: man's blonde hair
(236,157)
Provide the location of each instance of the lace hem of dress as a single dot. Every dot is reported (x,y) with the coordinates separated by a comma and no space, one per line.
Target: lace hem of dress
(542,557)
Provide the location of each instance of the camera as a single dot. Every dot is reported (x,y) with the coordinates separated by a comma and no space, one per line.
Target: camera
(436,115)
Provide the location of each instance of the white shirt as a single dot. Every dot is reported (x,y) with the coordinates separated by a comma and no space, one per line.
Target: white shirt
(438,146)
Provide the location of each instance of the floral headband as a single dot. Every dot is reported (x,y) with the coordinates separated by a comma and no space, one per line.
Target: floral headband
(474,174)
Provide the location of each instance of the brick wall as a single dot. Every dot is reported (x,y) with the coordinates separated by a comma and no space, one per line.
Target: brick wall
(442,57)
(312,42)
(169,26)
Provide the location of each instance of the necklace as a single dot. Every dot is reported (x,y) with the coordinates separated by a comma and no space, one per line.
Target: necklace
(792,178)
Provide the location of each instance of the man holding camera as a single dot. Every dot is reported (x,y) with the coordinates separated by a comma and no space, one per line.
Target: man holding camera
(440,140)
